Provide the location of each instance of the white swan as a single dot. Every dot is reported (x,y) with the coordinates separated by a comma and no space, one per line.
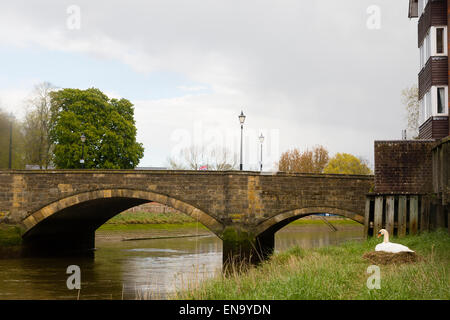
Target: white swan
(389,246)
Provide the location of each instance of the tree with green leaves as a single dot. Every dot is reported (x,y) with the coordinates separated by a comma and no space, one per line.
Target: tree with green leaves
(107,124)
(344,163)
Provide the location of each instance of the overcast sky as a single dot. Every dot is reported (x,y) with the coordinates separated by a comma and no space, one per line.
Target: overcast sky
(304,72)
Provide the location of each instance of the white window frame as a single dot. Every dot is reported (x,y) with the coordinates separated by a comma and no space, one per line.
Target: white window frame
(428,48)
(428,42)
(434,99)
(425,50)
(428,105)
(422,56)
(433,34)
(421,111)
(425,108)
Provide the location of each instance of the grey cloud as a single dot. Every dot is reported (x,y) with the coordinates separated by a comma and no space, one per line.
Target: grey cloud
(307,64)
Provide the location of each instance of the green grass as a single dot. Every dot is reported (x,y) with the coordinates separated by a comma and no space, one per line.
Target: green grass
(149,218)
(338,272)
(131,221)
(320,221)
(144,226)
(145,220)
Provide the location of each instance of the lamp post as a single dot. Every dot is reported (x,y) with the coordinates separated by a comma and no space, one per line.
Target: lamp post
(11,117)
(241,120)
(261,139)
(83,140)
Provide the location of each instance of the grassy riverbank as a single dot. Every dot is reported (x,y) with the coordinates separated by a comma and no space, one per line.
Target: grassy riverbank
(316,221)
(149,218)
(131,221)
(338,272)
(139,220)
(153,226)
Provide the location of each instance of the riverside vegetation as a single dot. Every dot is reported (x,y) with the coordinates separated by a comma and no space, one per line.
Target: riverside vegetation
(149,220)
(133,220)
(337,272)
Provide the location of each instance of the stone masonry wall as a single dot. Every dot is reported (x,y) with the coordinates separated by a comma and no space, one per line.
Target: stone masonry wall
(243,197)
(152,207)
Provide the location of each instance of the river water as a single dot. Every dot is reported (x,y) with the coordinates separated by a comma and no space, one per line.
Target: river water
(144,269)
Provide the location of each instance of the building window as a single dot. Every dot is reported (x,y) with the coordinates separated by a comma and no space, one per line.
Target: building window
(428,108)
(433,103)
(421,111)
(440,40)
(425,108)
(428,47)
(441,100)
(422,55)
(425,51)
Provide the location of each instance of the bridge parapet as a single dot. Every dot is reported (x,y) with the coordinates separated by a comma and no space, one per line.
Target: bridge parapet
(57,202)
(245,197)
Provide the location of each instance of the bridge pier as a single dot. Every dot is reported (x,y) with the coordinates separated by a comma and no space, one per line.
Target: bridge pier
(242,248)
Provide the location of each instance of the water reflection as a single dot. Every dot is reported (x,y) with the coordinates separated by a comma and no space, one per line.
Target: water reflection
(315,236)
(180,264)
(142,269)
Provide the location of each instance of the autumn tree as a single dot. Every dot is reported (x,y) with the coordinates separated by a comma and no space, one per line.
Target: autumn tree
(309,161)
(107,124)
(344,163)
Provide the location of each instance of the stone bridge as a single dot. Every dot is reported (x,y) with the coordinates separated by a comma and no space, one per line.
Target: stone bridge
(61,209)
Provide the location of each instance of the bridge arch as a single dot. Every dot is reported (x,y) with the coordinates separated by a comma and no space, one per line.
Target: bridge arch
(282,219)
(115,201)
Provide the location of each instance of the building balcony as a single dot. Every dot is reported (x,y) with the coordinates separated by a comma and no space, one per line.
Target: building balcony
(434,73)
(435,14)
(434,128)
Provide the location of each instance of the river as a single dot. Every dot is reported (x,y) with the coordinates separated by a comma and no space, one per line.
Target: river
(144,269)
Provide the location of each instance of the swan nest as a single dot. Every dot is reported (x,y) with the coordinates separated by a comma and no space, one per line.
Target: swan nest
(382,257)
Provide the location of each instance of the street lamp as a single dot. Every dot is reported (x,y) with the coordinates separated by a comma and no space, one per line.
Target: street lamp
(241,120)
(83,140)
(261,139)
(11,118)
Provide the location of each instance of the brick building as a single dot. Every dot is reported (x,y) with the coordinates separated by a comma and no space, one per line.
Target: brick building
(433,66)
(412,179)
